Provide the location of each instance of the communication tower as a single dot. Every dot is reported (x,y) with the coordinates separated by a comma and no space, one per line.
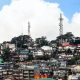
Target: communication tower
(28,28)
(61,25)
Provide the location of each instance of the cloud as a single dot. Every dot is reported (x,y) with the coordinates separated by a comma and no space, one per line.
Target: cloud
(75,24)
(43,16)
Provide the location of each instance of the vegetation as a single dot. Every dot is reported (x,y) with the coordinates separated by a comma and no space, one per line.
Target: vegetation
(23,41)
(73,60)
(6,54)
(41,41)
(68,37)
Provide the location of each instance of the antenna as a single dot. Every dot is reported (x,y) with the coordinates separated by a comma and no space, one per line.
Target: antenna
(22,30)
(61,25)
(28,28)
(61,28)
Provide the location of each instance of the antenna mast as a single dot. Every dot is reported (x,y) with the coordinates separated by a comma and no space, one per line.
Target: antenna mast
(29,28)
(61,25)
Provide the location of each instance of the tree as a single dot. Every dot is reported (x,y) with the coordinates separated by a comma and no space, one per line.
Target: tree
(73,60)
(6,54)
(69,51)
(68,37)
(76,41)
(41,41)
(22,41)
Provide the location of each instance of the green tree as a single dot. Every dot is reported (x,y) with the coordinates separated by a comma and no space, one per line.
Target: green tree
(22,41)
(66,37)
(6,54)
(41,41)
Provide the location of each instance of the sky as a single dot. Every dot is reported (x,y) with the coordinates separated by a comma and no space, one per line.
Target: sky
(69,7)
(3,3)
(43,16)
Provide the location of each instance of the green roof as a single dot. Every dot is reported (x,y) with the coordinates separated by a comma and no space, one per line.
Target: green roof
(1,60)
(24,52)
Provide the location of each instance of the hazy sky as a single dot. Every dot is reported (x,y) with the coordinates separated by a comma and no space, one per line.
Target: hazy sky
(43,16)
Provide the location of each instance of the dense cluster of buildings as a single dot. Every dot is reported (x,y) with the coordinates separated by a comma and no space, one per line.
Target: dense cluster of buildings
(54,61)
(23,58)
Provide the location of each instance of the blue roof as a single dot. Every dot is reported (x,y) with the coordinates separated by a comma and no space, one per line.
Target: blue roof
(45,79)
(25,52)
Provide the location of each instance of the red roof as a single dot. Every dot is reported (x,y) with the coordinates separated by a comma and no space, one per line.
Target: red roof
(65,44)
(68,44)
